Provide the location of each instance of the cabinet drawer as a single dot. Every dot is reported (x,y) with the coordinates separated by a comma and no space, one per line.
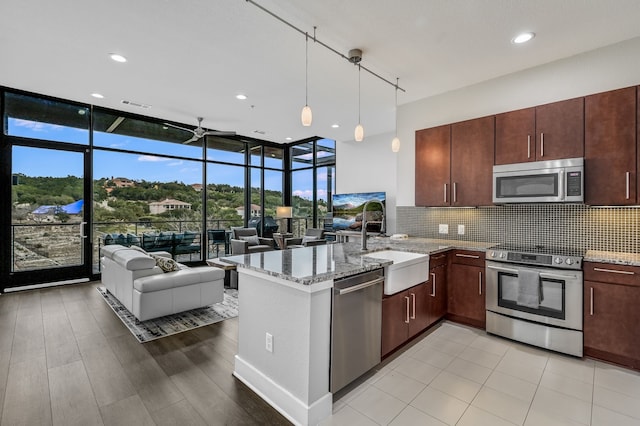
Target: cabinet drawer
(438,259)
(468,257)
(612,273)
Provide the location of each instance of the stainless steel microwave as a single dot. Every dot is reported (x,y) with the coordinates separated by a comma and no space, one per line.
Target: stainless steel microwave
(554,181)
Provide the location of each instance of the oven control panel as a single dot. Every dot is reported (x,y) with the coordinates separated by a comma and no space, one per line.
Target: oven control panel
(550,260)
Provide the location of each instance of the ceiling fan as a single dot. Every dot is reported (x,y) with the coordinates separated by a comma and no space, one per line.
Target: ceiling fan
(199,132)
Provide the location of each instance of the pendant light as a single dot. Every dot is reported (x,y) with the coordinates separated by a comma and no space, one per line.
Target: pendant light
(306,115)
(359,132)
(395,143)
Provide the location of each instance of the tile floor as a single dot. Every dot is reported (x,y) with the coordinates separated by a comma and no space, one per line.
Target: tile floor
(462,376)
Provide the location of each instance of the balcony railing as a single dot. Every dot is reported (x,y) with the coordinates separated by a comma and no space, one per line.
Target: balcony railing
(46,245)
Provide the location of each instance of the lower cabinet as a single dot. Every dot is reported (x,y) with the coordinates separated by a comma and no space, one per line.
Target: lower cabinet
(466,288)
(404,315)
(438,292)
(611,314)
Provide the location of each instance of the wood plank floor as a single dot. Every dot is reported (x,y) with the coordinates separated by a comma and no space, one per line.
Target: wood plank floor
(66,359)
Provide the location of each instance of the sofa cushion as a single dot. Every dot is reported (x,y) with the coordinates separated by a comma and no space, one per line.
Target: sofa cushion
(140,249)
(132,239)
(308,238)
(253,240)
(165,239)
(133,260)
(188,238)
(185,277)
(109,250)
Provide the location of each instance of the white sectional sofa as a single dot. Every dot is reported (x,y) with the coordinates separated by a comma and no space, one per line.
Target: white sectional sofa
(147,292)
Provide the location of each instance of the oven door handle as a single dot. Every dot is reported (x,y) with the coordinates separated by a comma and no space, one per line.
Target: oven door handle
(558,276)
(511,271)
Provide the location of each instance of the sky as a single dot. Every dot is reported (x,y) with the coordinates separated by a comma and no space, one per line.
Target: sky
(149,167)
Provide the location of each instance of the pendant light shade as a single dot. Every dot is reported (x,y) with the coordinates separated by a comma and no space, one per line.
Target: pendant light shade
(359,131)
(306,115)
(395,143)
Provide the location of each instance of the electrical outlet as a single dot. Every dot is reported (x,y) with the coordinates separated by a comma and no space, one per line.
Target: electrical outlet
(269,343)
(460,229)
(443,228)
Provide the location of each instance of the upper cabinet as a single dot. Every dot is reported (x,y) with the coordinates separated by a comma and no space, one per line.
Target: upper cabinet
(610,148)
(471,162)
(546,132)
(433,166)
(454,164)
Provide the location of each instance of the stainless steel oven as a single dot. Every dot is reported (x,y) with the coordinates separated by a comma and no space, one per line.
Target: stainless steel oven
(535,296)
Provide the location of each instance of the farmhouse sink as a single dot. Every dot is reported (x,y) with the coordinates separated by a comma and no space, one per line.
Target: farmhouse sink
(407,270)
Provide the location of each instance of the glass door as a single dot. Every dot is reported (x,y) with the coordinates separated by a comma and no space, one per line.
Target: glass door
(49,230)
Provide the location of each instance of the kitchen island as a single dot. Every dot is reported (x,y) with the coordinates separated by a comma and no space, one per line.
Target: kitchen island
(284,334)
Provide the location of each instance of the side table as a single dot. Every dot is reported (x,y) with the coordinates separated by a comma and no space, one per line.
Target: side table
(230,273)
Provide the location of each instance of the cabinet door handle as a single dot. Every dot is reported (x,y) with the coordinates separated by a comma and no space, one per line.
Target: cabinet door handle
(445,192)
(541,144)
(472,256)
(433,284)
(455,192)
(406,298)
(591,302)
(627,177)
(413,304)
(528,146)
(480,283)
(614,271)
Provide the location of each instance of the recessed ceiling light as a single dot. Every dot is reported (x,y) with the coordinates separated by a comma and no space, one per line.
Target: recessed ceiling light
(523,38)
(118,58)
(97,95)
(335,126)
(289,139)
(241,97)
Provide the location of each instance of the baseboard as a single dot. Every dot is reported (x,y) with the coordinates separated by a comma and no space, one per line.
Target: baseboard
(287,404)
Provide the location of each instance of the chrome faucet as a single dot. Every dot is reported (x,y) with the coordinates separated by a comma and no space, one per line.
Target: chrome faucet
(364,222)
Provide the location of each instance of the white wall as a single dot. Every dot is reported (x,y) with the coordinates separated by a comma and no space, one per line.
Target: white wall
(371,166)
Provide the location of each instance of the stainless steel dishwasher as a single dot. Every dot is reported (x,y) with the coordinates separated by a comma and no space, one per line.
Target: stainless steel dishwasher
(356,326)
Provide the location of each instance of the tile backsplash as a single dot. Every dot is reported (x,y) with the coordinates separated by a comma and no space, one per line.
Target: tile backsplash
(568,225)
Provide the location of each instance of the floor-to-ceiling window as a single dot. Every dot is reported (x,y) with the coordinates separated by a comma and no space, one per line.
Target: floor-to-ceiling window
(93,176)
(312,183)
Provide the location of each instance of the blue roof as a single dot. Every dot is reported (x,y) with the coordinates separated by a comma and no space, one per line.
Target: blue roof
(72,208)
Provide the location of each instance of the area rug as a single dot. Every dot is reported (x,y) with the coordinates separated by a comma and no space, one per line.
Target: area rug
(156,328)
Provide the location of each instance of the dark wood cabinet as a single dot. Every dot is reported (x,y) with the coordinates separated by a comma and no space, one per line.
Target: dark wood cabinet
(418,308)
(515,136)
(433,166)
(438,290)
(466,288)
(610,148)
(395,321)
(560,130)
(454,164)
(611,314)
(545,132)
(472,151)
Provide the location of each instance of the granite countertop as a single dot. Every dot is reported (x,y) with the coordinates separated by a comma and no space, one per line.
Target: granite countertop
(309,265)
(619,258)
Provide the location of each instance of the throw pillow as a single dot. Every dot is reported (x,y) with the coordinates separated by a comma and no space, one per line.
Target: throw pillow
(251,239)
(308,238)
(166,264)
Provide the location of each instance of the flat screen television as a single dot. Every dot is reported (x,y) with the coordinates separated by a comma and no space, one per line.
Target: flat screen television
(347,210)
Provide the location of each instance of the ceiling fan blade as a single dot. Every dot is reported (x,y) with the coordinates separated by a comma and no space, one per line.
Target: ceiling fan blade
(218,133)
(178,127)
(193,139)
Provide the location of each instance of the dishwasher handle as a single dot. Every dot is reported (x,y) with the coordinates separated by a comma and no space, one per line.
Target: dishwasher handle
(361,286)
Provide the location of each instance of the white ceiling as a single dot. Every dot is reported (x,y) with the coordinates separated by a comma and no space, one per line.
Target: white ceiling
(190,58)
